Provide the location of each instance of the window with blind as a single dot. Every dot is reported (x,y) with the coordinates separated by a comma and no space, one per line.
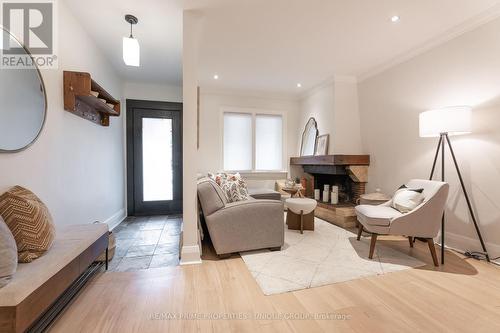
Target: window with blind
(253,142)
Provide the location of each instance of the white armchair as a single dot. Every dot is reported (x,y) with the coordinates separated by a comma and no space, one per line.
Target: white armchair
(423,222)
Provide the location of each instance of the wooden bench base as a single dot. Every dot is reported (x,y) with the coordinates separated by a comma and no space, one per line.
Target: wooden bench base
(21,317)
(293,221)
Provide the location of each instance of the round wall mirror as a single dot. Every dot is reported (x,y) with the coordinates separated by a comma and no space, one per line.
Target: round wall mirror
(24,102)
(309,138)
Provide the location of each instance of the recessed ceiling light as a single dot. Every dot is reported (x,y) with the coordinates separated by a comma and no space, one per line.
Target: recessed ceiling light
(299,85)
(395,19)
(216,77)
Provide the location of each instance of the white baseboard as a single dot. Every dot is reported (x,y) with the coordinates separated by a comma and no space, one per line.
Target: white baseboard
(116,219)
(190,254)
(462,243)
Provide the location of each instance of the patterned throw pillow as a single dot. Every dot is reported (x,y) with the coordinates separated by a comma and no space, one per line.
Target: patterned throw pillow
(29,221)
(233,186)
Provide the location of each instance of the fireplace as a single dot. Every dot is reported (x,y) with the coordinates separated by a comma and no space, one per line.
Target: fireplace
(348,172)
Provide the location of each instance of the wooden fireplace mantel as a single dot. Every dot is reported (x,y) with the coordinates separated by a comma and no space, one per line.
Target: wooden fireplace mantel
(331,160)
(355,167)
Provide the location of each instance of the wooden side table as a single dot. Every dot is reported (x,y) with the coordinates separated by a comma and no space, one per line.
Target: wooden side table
(295,192)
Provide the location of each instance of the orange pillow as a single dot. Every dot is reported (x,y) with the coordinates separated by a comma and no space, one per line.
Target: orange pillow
(30,222)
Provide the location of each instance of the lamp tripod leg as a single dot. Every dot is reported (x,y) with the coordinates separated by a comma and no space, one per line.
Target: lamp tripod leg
(435,157)
(442,179)
(440,147)
(478,231)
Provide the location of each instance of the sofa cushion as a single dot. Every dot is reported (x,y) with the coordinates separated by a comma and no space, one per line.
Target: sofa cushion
(376,215)
(8,254)
(30,222)
(264,193)
(210,196)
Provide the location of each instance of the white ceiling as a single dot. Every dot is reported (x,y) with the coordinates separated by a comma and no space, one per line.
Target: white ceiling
(271,45)
(159,32)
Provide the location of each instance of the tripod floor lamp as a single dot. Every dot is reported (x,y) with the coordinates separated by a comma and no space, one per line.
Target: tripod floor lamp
(443,123)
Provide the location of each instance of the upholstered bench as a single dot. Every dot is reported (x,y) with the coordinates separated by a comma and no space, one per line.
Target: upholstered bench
(300,214)
(37,285)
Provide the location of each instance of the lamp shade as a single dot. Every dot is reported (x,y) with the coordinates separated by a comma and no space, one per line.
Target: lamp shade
(454,120)
(131,51)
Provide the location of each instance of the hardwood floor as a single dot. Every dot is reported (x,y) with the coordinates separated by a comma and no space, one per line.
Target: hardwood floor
(462,296)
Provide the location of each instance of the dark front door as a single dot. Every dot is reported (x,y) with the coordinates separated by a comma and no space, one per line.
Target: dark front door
(154,157)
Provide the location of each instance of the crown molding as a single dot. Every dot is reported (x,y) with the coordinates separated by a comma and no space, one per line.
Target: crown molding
(345,78)
(479,20)
(329,82)
(249,94)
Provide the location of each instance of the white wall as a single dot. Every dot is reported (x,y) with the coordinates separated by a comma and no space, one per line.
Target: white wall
(152,92)
(191,246)
(463,71)
(76,167)
(211,134)
(334,105)
(347,131)
(318,103)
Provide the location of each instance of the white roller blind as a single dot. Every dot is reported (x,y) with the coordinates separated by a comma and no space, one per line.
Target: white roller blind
(237,141)
(268,142)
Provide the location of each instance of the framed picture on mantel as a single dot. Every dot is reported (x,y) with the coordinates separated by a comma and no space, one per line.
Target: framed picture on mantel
(322,145)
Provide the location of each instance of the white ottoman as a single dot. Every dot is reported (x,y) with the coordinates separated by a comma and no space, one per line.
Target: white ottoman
(300,214)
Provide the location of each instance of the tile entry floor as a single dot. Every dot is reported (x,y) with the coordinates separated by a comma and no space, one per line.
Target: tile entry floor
(146,242)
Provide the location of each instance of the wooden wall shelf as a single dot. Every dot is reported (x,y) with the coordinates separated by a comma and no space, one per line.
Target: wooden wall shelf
(79,100)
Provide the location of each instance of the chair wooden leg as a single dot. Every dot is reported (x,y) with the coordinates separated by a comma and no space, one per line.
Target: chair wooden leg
(372,245)
(360,231)
(432,248)
(301,221)
(410,239)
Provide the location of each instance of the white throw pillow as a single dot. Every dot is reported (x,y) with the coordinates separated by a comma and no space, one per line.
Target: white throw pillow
(8,254)
(406,199)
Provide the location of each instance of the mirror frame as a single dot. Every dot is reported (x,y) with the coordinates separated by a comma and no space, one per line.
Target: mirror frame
(42,86)
(304,132)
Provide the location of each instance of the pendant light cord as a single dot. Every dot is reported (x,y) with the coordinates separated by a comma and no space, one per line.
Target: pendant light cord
(131,36)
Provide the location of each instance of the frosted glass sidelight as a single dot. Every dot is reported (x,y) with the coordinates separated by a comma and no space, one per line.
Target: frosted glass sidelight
(237,141)
(157,159)
(268,142)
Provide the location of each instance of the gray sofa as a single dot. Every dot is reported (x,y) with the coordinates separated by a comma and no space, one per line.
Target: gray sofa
(240,226)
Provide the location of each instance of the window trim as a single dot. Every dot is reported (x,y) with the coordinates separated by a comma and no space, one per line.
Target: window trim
(254,112)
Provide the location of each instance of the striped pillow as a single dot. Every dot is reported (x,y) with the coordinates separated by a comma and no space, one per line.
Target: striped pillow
(30,222)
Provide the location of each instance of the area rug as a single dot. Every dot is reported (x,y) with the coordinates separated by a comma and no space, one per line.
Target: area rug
(327,255)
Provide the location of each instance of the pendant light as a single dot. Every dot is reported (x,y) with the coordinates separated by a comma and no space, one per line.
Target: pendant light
(131,49)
